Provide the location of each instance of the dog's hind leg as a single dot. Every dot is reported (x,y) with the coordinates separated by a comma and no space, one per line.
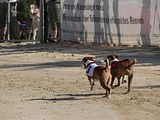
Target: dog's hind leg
(108,92)
(112,81)
(129,82)
(107,88)
(104,83)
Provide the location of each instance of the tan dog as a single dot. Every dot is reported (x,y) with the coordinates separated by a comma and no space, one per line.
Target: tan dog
(102,73)
(35,15)
(121,68)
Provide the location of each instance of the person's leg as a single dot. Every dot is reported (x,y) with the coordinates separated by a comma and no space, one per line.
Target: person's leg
(3,13)
(57,18)
(1,33)
(53,31)
(15,28)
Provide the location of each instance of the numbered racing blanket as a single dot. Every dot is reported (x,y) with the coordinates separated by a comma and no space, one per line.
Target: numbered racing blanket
(90,69)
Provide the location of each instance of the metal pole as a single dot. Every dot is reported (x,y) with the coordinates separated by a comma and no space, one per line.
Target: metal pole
(41,31)
(8,21)
(45,22)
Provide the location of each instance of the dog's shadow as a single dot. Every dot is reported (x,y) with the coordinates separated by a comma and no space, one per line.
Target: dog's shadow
(69,97)
(147,87)
(82,95)
(54,99)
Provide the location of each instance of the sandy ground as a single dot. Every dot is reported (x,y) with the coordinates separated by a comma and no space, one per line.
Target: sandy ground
(47,82)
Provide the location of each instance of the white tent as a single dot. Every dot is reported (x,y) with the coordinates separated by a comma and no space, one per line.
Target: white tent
(13,0)
(8,0)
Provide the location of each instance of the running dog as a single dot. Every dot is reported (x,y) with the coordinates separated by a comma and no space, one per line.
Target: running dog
(102,73)
(120,69)
(113,59)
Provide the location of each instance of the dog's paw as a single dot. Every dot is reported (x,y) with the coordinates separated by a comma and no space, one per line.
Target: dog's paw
(112,87)
(109,96)
(117,85)
(124,81)
(126,92)
(91,87)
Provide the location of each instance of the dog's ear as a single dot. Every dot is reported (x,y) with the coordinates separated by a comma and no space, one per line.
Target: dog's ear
(90,58)
(84,59)
(105,60)
(87,58)
(116,56)
(110,57)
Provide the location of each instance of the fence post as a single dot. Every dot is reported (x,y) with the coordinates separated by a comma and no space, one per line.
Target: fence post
(43,32)
(45,22)
(8,20)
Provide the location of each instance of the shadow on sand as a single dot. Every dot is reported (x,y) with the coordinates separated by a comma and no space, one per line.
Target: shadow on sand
(69,97)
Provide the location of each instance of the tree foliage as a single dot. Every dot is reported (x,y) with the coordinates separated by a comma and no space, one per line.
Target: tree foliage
(23,10)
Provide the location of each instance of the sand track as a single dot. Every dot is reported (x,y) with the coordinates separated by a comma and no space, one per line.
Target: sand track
(47,82)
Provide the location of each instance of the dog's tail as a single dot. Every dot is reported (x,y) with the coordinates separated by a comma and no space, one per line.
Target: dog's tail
(132,62)
(107,64)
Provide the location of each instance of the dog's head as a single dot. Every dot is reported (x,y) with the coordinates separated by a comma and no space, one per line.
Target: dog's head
(34,10)
(112,58)
(87,60)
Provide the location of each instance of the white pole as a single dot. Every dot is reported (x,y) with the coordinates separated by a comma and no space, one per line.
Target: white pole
(8,21)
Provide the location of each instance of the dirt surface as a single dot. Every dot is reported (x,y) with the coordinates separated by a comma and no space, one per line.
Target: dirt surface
(48,82)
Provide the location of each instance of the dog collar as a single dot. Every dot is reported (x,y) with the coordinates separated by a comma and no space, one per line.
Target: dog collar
(88,62)
(115,60)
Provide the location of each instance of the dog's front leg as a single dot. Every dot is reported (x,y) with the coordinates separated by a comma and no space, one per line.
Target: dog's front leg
(118,78)
(91,82)
(123,80)
(108,92)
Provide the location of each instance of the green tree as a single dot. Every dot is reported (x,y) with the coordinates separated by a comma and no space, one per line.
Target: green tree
(23,10)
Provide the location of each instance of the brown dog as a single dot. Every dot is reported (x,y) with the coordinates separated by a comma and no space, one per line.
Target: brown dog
(102,73)
(121,68)
(112,60)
